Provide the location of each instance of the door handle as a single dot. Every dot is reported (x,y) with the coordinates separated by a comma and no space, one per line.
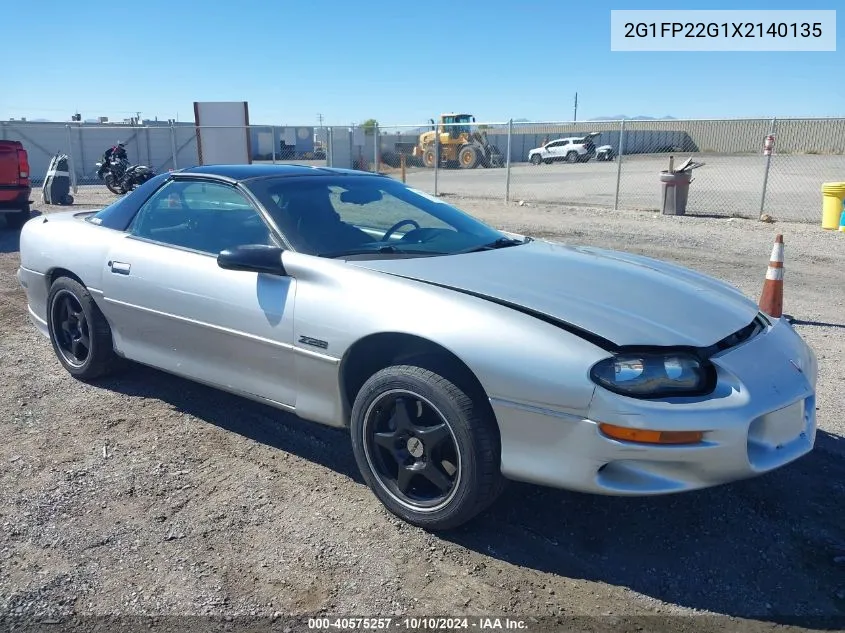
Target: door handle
(121,268)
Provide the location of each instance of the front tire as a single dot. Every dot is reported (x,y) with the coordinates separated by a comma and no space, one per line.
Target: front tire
(536,159)
(572,157)
(427,448)
(79,332)
(468,157)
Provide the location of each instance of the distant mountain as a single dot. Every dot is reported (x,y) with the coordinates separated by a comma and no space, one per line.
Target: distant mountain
(615,117)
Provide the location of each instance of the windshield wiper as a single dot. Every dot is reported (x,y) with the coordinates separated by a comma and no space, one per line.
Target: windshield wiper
(382,250)
(502,242)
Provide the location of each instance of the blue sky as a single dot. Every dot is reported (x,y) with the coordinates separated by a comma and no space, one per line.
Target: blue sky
(397,62)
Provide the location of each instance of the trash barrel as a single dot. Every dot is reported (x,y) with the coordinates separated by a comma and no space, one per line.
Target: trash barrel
(675,191)
(833,195)
(56,187)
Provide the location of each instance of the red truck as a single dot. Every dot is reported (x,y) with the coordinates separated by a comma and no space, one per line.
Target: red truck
(15,187)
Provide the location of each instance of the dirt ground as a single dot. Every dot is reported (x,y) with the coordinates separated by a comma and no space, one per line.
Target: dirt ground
(148,494)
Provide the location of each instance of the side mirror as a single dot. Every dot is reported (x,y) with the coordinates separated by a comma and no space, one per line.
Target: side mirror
(253,258)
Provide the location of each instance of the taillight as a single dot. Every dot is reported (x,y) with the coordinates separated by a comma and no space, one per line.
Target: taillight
(23,165)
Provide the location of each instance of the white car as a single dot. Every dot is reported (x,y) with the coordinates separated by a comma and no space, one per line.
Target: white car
(574,149)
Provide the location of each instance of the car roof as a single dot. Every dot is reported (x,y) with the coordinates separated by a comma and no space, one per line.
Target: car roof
(241,173)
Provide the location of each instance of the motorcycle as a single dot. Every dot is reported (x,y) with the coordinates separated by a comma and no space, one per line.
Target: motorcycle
(121,177)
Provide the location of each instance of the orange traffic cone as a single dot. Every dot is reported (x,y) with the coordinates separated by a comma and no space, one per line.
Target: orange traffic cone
(771,301)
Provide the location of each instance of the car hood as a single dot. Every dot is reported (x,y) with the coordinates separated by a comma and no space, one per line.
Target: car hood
(623,298)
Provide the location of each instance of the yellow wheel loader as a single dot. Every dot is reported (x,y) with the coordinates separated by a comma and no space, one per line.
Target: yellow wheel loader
(458,144)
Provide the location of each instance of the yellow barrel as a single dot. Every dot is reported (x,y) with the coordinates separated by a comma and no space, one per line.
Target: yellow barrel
(833,194)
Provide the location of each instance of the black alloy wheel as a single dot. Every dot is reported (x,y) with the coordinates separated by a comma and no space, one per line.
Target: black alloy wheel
(427,444)
(411,449)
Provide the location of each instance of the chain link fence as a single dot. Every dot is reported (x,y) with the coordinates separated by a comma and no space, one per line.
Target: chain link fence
(539,162)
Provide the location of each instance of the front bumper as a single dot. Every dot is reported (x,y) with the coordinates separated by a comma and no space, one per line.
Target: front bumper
(761,416)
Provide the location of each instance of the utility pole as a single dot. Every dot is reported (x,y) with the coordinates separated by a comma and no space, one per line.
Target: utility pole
(320,119)
(575,113)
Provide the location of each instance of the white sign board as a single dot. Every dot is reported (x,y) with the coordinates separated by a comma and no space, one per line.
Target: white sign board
(222,132)
(341,148)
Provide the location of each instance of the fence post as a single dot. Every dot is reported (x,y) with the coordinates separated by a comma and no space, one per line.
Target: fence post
(508,163)
(149,149)
(329,147)
(273,142)
(766,171)
(375,148)
(173,144)
(436,154)
(619,162)
(70,163)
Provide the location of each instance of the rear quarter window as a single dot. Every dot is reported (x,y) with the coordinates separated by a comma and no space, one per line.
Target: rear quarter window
(119,214)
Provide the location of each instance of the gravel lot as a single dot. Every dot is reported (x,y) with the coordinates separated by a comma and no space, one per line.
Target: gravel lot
(725,185)
(148,494)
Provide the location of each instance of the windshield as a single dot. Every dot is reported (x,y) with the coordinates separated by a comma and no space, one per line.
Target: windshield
(456,130)
(334,216)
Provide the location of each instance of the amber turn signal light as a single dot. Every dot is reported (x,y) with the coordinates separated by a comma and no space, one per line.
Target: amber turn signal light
(645,436)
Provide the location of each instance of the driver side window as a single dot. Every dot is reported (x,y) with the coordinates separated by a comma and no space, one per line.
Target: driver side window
(201,216)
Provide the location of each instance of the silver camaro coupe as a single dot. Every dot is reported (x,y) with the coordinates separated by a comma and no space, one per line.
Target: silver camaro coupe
(458,356)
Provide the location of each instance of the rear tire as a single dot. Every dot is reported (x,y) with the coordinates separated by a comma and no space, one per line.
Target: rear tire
(572,157)
(15,221)
(429,158)
(428,448)
(113,186)
(79,332)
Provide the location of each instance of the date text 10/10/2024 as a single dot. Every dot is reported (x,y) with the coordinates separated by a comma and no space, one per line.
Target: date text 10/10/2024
(417,624)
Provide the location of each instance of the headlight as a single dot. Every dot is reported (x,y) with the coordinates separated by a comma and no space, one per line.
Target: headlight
(653,375)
